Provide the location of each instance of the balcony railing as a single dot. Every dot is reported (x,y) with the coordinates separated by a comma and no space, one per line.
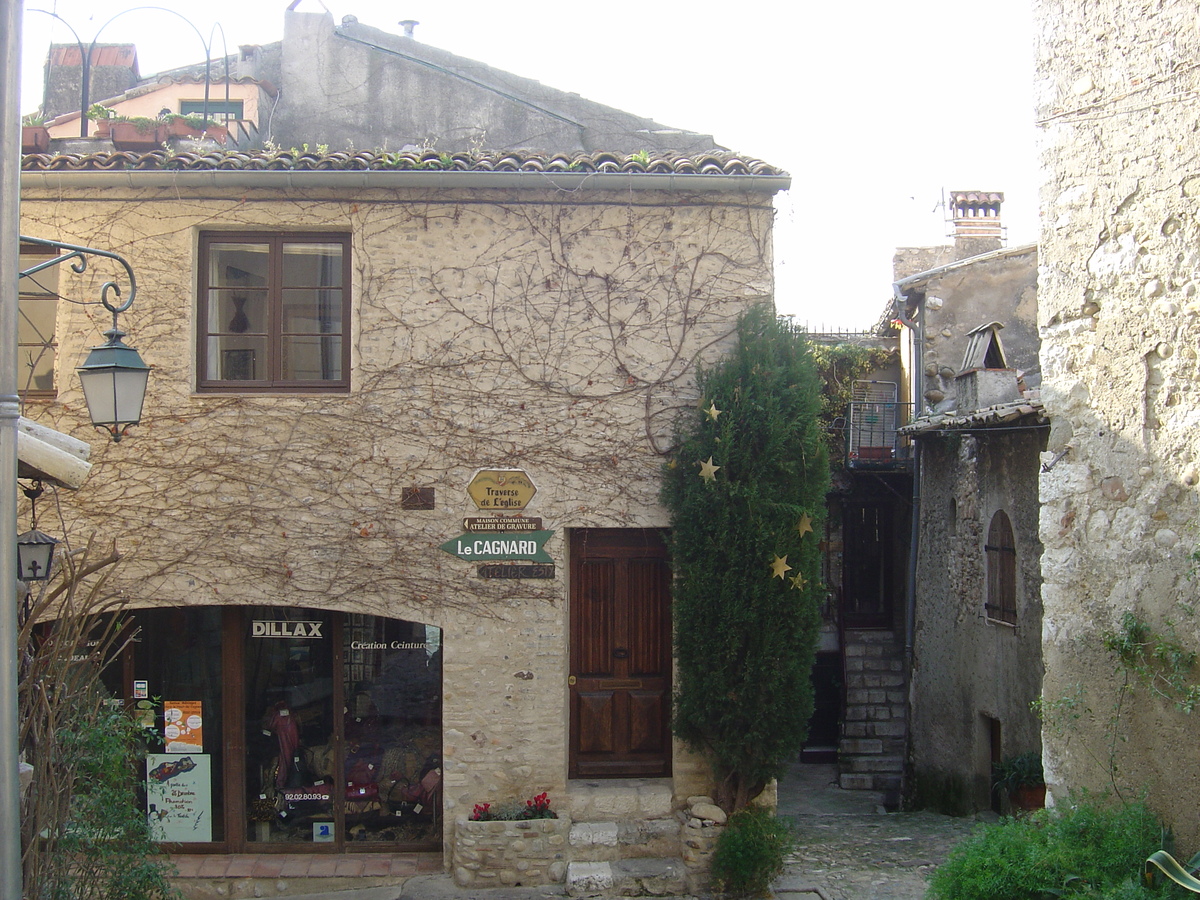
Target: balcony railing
(872,438)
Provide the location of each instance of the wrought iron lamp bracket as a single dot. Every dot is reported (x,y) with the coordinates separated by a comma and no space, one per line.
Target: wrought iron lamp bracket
(77,256)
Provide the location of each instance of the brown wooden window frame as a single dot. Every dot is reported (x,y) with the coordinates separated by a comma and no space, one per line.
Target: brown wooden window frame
(39,288)
(1001,555)
(272,379)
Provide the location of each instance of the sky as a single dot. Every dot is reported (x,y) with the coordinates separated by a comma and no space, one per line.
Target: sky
(876,108)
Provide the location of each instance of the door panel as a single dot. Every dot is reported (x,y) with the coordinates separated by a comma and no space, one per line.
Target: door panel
(620,653)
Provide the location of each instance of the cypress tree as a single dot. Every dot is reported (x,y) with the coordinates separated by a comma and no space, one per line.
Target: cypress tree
(746,489)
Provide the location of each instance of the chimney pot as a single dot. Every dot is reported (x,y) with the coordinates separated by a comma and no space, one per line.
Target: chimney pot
(408,25)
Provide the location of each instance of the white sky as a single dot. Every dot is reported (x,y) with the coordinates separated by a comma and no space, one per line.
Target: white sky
(875,107)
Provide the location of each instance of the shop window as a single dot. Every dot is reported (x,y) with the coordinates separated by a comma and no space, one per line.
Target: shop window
(288,728)
(1001,551)
(274,312)
(36,342)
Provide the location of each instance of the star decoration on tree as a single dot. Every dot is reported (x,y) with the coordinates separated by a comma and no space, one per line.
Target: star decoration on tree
(713,412)
(708,471)
(779,566)
(798,581)
(804,526)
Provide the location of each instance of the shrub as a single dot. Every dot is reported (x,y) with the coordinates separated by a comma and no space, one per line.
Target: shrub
(1088,849)
(749,854)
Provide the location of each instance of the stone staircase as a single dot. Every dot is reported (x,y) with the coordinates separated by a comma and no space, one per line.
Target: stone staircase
(875,724)
(625,840)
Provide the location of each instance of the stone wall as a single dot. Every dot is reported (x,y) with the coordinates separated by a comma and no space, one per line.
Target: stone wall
(530,329)
(510,854)
(969,669)
(1118,308)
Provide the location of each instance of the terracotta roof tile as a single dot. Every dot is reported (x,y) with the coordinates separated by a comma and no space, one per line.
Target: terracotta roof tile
(712,163)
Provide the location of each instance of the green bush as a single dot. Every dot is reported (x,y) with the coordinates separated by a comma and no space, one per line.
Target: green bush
(749,854)
(1090,849)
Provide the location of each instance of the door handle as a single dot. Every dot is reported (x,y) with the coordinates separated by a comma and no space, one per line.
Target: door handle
(620,653)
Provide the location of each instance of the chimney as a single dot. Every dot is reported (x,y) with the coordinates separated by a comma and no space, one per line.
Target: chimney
(409,25)
(977,227)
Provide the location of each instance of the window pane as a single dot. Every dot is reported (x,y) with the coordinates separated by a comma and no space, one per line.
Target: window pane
(312,358)
(238,311)
(312,311)
(35,340)
(240,358)
(216,108)
(238,265)
(312,265)
(43,282)
(290,746)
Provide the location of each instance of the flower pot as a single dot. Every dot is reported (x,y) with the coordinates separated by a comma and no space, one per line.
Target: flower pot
(1029,797)
(127,136)
(218,133)
(101,127)
(35,139)
(180,127)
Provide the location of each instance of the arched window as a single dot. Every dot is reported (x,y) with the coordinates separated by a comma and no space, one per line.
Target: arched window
(1001,550)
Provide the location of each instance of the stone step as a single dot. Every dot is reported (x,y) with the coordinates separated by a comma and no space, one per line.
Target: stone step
(627,878)
(624,799)
(641,838)
(871,764)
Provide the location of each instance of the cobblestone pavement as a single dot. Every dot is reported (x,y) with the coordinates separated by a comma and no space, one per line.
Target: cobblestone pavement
(850,849)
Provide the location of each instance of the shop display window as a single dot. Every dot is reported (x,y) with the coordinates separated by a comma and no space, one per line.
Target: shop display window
(287,726)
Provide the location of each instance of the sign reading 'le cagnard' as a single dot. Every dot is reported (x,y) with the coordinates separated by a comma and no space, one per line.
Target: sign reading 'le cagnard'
(275,628)
(500,545)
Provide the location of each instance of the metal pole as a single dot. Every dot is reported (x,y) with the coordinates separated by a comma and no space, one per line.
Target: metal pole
(10,230)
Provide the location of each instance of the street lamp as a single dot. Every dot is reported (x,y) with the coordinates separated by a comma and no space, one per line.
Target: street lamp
(114,384)
(114,375)
(35,549)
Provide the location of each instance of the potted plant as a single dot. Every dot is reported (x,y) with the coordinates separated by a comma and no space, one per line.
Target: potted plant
(103,116)
(137,134)
(35,136)
(1022,779)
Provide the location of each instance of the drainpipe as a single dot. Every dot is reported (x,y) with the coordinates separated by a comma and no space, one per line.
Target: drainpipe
(917,376)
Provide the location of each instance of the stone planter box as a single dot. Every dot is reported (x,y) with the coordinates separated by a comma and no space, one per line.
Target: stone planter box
(527,852)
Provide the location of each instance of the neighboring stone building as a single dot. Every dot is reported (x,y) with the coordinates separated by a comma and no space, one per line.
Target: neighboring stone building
(344,345)
(351,87)
(1119,316)
(974,632)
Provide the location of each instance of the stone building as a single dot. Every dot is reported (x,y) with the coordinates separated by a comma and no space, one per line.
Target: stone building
(973,634)
(1118,312)
(391,518)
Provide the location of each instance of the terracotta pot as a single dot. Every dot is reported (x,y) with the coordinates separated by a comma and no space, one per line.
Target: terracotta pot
(101,127)
(127,136)
(1029,797)
(35,139)
(179,127)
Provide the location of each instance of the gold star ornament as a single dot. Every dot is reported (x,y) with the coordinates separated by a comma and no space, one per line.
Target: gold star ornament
(804,526)
(713,412)
(708,471)
(779,567)
(798,581)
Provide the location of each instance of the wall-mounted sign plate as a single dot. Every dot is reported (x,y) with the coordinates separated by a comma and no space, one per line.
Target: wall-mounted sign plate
(501,545)
(517,570)
(475,524)
(502,490)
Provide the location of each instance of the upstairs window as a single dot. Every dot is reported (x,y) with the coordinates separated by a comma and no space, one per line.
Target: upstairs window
(36,343)
(274,312)
(1001,551)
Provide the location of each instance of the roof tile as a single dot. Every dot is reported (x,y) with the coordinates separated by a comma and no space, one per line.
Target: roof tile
(712,163)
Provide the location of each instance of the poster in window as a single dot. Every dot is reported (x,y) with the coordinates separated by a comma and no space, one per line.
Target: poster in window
(183,726)
(179,797)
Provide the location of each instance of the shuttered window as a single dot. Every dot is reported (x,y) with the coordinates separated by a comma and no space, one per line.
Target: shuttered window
(1001,552)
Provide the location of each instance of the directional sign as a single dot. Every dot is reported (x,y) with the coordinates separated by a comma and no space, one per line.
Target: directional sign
(502,490)
(501,545)
(502,523)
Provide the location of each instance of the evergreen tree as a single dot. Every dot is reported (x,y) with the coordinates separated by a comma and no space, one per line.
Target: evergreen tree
(746,490)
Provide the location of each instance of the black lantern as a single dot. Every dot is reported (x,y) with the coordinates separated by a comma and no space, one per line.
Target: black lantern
(114,380)
(35,554)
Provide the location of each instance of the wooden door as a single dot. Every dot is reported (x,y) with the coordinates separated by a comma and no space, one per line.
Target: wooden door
(620,680)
